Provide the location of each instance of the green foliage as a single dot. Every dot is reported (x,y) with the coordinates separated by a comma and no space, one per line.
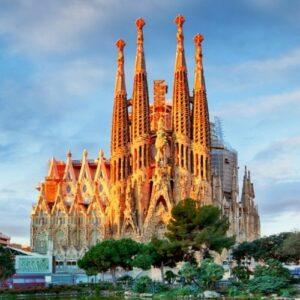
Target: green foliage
(126,279)
(209,274)
(290,248)
(189,272)
(205,276)
(7,264)
(158,287)
(158,253)
(198,228)
(110,254)
(242,273)
(176,293)
(238,289)
(267,284)
(273,268)
(87,264)
(284,247)
(142,285)
(170,277)
(270,278)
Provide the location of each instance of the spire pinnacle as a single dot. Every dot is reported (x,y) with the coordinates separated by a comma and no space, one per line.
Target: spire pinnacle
(140,97)
(180,63)
(120,87)
(199,82)
(140,23)
(179,20)
(140,57)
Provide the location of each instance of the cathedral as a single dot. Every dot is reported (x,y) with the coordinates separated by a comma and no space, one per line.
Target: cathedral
(160,153)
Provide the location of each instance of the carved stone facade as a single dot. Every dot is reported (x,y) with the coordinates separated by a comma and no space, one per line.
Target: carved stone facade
(160,154)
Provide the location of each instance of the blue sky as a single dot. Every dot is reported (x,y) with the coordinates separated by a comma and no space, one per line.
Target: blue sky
(57,66)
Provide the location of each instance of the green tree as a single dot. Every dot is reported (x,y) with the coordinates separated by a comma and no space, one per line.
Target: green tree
(284,247)
(108,255)
(189,272)
(242,273)
(170,277)
(159,254)
(290,249)
(87,263)
(209,274)
(205,276)
(142,285)
(7,264)
(198,228)
(270,278)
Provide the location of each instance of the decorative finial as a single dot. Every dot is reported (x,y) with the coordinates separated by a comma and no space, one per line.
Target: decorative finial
(69,154)
(140,23)
(120,44)
(179,20)
(198,38)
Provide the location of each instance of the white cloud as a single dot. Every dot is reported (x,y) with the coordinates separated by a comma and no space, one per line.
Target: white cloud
(281,223)
(264,105)
(272,72)
(273,67)
(43,27)
(52,26)
(277,163)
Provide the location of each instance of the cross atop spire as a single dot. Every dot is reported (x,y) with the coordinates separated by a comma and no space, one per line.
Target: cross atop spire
(120,87)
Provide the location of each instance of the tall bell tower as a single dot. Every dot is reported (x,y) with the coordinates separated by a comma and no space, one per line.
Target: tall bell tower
(181,118)
(200,129)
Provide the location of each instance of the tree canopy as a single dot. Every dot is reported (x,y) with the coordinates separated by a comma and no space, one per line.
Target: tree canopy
(110,254)
(205,276)
(159,253)
(284,247)
(198,228)
(7,264)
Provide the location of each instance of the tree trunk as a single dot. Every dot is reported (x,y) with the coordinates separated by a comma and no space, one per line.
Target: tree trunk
(162,273)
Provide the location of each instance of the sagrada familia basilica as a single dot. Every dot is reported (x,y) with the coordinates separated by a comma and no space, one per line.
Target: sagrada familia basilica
(160,154)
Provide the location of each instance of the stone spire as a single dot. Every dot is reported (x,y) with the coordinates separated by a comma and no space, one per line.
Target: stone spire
(201,126)
(140,126)
(181,98)
(245,189)
(120,123)
(201,130)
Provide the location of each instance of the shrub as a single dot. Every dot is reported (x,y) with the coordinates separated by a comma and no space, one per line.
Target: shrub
(125,279)
(242,273)
(142,285)
(238,289)
(209,274)
(158,287)
(267,284)
(270,278)
(170,277)
(189,273)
